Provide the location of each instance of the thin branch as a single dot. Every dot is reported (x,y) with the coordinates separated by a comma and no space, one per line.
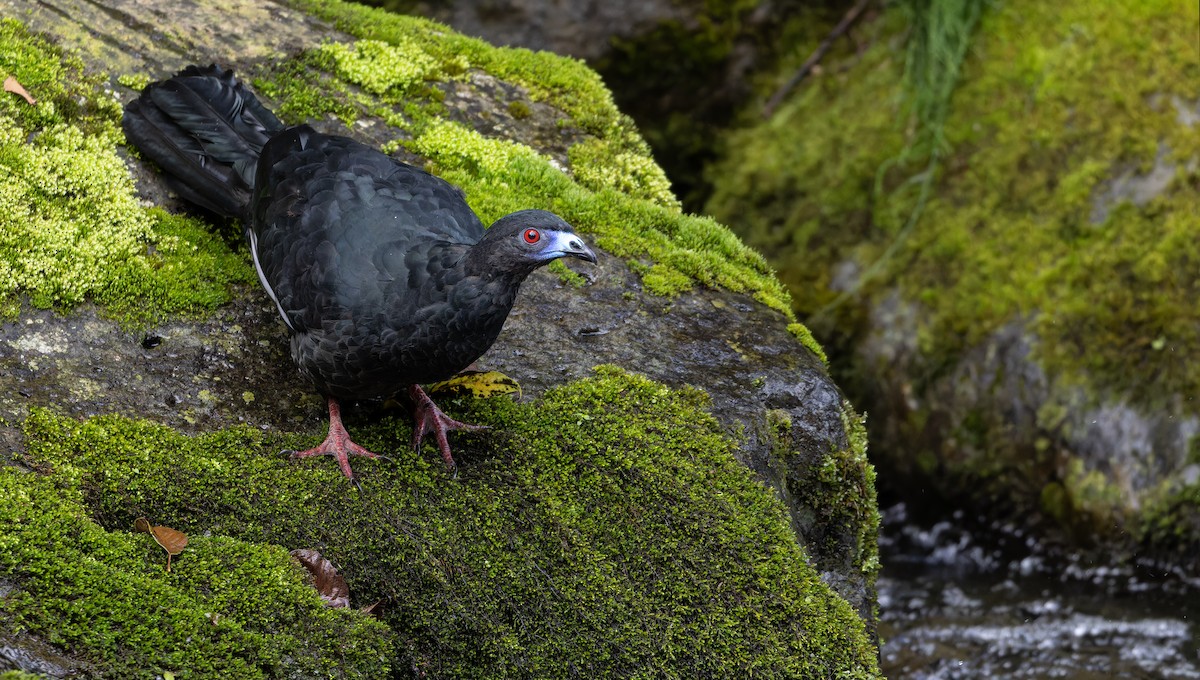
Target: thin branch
(815,58)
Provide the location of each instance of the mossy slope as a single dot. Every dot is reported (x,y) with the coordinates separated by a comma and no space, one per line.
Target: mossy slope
(235,610)
(1032,223)
(606,530)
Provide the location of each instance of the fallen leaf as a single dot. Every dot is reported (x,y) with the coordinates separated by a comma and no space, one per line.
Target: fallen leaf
(370,609)
(480,384)
(168,539)
(329,583)
(11,85)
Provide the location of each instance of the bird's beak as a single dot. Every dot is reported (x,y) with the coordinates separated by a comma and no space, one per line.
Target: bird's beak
(567,244)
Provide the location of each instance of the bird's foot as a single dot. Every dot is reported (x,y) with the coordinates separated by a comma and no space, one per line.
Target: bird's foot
(338,444)
(430,419)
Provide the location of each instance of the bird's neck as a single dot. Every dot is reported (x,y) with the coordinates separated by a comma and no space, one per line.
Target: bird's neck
(484,263)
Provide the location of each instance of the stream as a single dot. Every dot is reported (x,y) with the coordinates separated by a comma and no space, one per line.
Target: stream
(957,605)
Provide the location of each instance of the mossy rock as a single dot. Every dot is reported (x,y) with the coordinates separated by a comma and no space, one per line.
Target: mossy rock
(529,558)
(1037,325)
(607,531)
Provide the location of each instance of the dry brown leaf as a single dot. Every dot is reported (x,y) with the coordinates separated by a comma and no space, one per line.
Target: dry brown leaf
(168,539)
(11,85)
(171,540)
(329,583)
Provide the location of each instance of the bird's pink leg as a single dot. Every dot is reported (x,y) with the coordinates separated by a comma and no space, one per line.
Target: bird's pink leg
(430,418)
(337,443)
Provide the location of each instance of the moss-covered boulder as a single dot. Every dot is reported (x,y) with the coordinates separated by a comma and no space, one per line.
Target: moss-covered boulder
(608,524)
(1027,348)
(608,531)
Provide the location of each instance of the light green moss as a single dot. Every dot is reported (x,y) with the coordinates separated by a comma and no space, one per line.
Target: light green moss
(71,225)
(605,527)
(379,66)
(134,81)
(458,146)
(597,165)
(68,215)
(805,336)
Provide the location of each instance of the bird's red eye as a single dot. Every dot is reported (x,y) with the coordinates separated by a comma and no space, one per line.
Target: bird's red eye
(532,236)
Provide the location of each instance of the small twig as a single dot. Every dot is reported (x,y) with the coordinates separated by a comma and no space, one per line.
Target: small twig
(813,59)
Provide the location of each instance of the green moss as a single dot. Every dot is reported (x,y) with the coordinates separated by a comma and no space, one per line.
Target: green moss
(136,81)
(519,109)
(379,67)
(598,166)
(1043,116)
(1026,226)
(846,496)
(805,336)
(603,530)
(1170,524)
(1054,101)
(1084,502)
(1055,503)
(227,608)
(71,226)
(501,176)
(64,93)
(566,274)
(840,521)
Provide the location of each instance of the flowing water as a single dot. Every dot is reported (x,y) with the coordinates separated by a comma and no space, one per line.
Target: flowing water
(954,606)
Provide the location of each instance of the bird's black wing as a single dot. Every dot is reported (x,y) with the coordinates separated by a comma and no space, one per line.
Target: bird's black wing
(342,231)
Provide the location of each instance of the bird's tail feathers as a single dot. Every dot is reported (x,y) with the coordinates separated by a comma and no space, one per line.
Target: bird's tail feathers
(205,129)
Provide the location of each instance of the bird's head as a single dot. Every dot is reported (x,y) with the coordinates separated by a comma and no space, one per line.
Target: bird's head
(522,241)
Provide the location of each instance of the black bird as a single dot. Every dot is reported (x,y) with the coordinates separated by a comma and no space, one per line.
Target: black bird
(383,274)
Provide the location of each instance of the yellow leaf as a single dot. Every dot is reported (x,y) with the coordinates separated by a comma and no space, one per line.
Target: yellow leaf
(482,384)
